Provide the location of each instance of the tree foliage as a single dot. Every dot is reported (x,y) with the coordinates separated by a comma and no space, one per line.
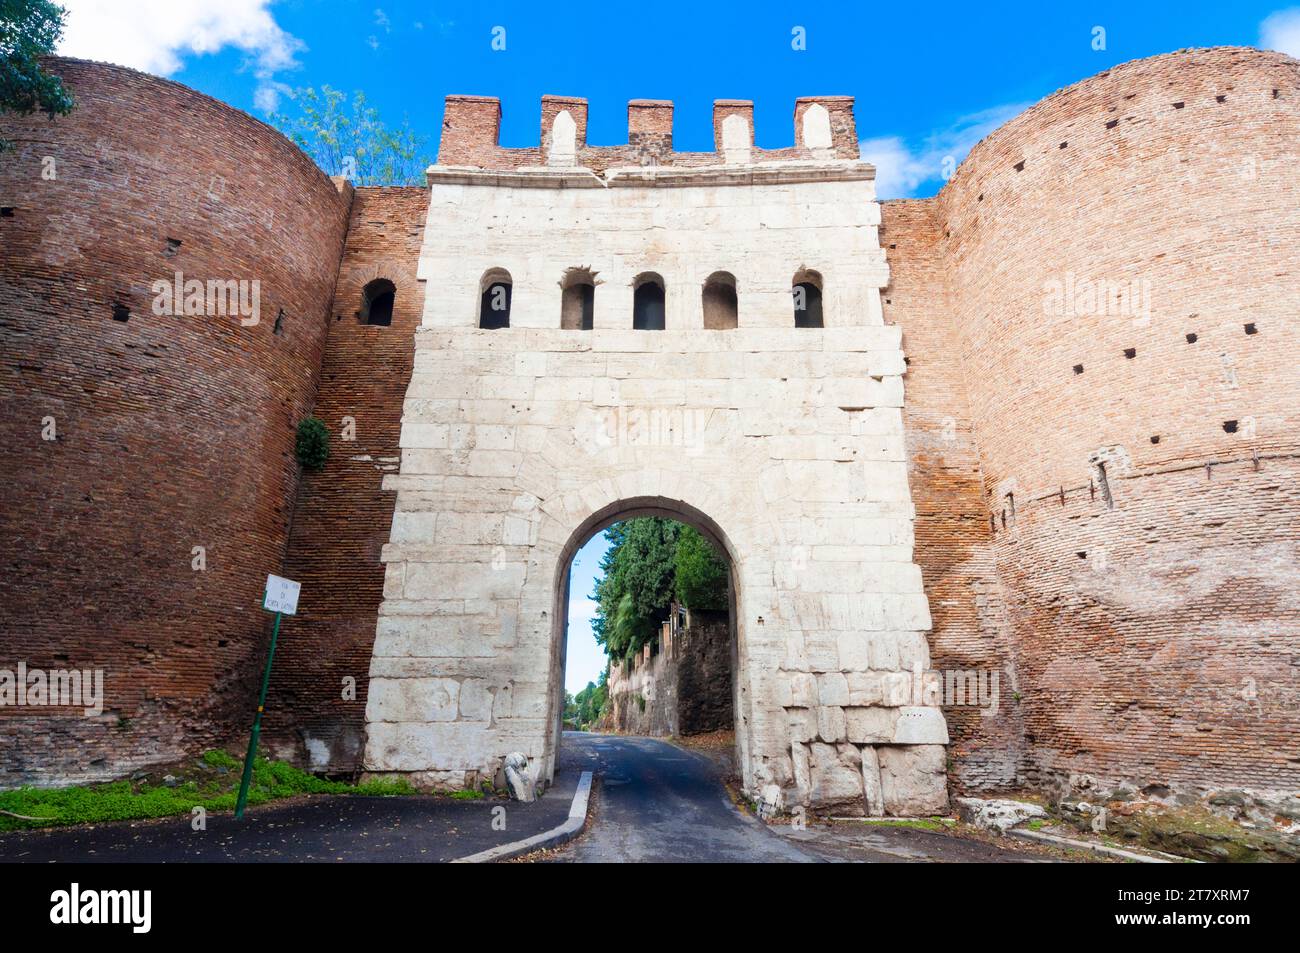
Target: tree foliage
(701,573)
(637,585)
(347,137)
(585,708)
(30,29)
(650,562)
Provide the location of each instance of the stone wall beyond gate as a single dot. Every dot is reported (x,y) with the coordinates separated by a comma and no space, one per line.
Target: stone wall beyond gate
(680,684)
(783,444)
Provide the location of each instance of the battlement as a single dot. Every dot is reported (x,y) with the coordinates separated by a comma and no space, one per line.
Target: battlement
(824,129)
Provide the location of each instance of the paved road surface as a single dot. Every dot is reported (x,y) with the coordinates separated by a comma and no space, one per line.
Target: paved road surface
(657,802)
(330,829)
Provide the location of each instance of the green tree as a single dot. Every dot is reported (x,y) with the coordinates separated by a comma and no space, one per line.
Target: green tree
(636,590)
(589,703)
(701,573)
(347,137)
(30,29)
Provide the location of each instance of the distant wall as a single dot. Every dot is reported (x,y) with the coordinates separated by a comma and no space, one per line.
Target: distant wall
(685,688)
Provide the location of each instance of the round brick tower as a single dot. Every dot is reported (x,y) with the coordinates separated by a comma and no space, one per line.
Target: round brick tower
(1124,271)
(148,469)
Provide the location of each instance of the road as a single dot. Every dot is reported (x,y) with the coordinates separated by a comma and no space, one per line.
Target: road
(658,802)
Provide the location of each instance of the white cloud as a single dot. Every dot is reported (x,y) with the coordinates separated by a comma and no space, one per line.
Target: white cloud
(155,36)
(902,169)
(1281,31)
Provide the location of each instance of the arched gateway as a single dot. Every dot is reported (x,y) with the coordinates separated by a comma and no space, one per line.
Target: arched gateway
(783,443)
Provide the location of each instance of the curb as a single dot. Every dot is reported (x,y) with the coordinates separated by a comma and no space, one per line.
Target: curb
(575,822)
(1096,848)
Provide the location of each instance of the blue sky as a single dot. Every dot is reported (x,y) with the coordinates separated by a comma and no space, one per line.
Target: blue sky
(585,659)
(930,78)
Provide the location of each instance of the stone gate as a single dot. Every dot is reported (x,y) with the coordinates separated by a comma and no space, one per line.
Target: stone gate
(524,433)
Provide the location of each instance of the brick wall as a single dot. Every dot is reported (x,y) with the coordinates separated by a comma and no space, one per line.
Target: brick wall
(1156,633)
(971,631)
(173,431)
(343,515)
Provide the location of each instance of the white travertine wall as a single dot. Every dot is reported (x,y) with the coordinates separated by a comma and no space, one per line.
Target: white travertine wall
(783,444)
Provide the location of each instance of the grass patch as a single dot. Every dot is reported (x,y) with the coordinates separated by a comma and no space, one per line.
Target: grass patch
(467,794)
(214,786)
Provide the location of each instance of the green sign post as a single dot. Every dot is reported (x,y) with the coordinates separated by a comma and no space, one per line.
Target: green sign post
(281,598)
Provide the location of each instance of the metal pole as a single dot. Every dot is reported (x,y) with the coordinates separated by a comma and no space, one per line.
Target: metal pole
(257,725)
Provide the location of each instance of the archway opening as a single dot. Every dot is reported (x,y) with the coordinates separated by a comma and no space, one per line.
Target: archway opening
(806,289)
(495,290)
(648,303)
(377,299)
(646,638)
(578,300)
(718,298)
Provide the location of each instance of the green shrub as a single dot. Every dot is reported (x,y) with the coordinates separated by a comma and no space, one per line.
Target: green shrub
(312,446)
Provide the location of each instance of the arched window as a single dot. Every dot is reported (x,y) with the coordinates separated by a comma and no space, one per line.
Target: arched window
(807,292)
(494,300)
(377,302)
(719,299)
(648,302)
(578,300)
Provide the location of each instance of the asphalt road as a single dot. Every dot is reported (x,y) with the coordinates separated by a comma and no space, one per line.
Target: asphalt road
(325,829)
(659,803)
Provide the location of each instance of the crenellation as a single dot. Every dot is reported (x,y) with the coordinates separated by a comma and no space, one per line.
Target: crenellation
(471,135)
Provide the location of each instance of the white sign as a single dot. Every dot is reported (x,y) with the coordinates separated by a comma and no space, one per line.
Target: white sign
(281,595)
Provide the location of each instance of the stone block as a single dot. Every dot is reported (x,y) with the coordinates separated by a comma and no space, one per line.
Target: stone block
(912,779)
(803,688)
(920,726)
(832,689)
(872,795)
(836,778)
(830,723)
(871,726)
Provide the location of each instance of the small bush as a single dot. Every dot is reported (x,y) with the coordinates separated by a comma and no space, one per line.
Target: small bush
(313,444)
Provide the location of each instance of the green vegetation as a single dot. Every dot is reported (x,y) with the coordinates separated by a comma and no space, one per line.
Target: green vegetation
(213,785)
(349,139)
(651,562)
(584,710)
(312,446)
(701,573)
(30,29)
